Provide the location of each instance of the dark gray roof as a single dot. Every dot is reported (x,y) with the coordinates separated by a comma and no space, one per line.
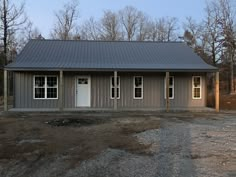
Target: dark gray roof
(108,55)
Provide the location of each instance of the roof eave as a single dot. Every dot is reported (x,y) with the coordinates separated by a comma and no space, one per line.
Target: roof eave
(114,69)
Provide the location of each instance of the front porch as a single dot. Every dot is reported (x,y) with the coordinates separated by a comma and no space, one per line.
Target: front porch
(116,103)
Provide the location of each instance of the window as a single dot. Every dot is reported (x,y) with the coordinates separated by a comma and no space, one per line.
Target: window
(196,87)
(138,87)
(83,81)
(45,87)
(112,91)
(171,87)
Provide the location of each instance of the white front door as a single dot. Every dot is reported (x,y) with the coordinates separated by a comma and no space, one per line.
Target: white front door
(83,91)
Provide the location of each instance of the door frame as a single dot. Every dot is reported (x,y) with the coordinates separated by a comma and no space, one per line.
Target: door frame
(76,87)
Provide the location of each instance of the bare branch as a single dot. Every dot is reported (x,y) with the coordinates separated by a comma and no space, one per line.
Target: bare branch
(66,18)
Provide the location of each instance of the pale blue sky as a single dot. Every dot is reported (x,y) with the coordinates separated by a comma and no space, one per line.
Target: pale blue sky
(41,12)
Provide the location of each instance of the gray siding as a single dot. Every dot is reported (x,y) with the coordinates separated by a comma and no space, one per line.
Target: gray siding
(100,91)
(69,91)
(24,92)
(151,86)
(153,96)
(183,91)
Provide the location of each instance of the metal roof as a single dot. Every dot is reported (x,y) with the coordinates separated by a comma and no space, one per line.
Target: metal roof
(52,55)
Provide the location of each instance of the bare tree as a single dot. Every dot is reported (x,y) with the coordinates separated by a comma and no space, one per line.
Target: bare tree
(12,18)
(110,26)
(192,32)
(27,33)
(196,37)
(144,27)
(164,29)
(31,32)
(65,24)
(90,30)
(171,27)
(227,26)
(129,17)
(161,30)
(213,34)
(204,37)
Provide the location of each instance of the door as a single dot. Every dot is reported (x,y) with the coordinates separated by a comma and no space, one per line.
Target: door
(83,91)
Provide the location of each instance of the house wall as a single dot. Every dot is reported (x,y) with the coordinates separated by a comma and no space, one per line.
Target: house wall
(153,96)
(24,92)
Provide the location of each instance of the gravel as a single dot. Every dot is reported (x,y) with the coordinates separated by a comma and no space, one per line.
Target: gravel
(177,149)
(192,146)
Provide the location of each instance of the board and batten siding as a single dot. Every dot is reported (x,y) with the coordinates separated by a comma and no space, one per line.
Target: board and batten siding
(100,89)
(153,87)
(183,97)
(24,92)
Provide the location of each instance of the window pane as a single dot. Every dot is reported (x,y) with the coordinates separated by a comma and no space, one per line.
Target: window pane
(197,81)
(196,92)
(170,81)
(138,81)
(170,92)
(113,93)
(39,93)
(83,81)
(51,92)
(113,83)
(39,81)
(117,93)
(52,81)
(138,92)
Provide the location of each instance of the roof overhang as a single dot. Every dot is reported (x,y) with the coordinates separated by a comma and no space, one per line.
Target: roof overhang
(115,69)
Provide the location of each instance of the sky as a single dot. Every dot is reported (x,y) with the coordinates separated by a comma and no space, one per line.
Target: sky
(42,12)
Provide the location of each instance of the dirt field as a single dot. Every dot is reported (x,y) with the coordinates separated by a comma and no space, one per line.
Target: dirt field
(118,144)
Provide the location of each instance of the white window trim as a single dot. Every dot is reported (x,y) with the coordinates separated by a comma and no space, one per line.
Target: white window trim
(173,88)
(118,86)
(45,77)
(196,87)
(137,98)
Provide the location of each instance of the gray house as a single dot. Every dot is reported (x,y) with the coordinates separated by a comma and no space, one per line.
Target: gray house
(104,75)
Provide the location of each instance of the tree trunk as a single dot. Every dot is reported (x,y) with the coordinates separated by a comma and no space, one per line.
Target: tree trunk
(5,32)
(232,75)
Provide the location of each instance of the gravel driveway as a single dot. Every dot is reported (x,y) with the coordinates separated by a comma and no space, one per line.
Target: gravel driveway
(181,144)
(184,146)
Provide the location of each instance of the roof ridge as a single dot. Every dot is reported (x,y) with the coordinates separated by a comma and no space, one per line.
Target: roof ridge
(47,40)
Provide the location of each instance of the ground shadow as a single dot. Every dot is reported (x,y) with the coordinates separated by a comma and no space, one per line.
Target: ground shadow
(174,157)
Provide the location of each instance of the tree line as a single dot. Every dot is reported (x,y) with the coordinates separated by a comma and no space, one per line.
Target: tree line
(212,38)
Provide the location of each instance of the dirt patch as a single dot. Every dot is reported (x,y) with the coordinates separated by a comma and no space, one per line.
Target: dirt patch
(118,144)
(80,137)
(74,122)
(228,102)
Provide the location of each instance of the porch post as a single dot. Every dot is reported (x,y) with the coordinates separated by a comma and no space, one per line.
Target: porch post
(5,91)
(167,92)
(115,90)
(61,92)
(217,92)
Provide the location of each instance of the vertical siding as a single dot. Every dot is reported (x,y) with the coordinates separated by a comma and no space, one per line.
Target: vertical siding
(151,88)
(183,91)
(24,93)
(100,90)
(153,96)
(69,91)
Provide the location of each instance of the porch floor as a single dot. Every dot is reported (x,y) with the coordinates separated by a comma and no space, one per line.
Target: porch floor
(192,109)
